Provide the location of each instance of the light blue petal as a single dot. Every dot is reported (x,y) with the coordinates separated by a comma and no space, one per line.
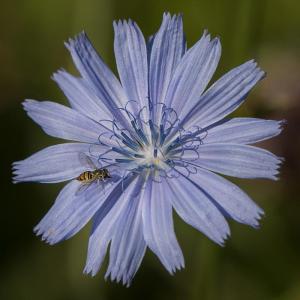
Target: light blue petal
(81,96)
(55,163)
(63,122)
(167,49)
(193,74)
(228,197)
(131,58)
(105,221)
(237,160)
(224,96)
(92,68)
(71,211)
(127,247)
(149,44)
(196,208)
(158,226)
(242,131)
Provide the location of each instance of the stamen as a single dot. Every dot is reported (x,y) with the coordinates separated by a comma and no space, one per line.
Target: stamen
(162,135)
(123,160)
(140,133)
(130,143)
(153,132)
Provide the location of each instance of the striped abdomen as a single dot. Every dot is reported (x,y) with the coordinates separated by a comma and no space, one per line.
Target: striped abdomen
(86,176)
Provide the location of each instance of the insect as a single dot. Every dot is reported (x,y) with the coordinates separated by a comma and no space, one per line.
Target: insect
(88,177)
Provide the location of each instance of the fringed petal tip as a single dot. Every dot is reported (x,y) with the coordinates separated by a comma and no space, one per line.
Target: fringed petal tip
(16,172)
(121,22)
(119,276)
(169,15)
(256,216)
(260,214)
(27,104)
(71,43)
(58,74)
(280,127)
(178,266)
(47,234)
(261,74)
(252,66)
(257,224)
(282,124)
(16,179)
(280,161)
(44,235)
(90,271)
(205,32)
(30,106)
(215,41)
(223,239)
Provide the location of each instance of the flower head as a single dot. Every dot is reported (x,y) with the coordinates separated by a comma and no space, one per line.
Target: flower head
(160,136)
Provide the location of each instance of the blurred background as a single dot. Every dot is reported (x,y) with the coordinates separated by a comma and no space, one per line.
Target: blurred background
(255,264)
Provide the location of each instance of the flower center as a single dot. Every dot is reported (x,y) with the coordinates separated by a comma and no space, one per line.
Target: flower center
(151,157)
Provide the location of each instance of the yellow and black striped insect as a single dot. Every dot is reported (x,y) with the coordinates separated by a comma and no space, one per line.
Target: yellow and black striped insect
(90,176)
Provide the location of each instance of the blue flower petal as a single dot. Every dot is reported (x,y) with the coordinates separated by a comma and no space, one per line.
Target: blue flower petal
(71,211)
(55,163)
(237,160)
(242,131)
(224,96)
(104,83)
(196,208)
(167,49)
(158,226)
(127,247)
(227,196)
(105,221)
(192,75)
(81,96)
(131,58)
(63,122)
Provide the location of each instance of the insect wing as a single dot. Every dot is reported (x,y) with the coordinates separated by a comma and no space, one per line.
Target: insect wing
(84,187)
(86,161)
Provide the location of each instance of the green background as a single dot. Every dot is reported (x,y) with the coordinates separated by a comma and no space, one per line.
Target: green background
(255,264)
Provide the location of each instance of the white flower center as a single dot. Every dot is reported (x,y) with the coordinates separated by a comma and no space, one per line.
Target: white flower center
(151,157)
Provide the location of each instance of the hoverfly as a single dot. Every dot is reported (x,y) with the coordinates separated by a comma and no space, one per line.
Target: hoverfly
(90,176)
